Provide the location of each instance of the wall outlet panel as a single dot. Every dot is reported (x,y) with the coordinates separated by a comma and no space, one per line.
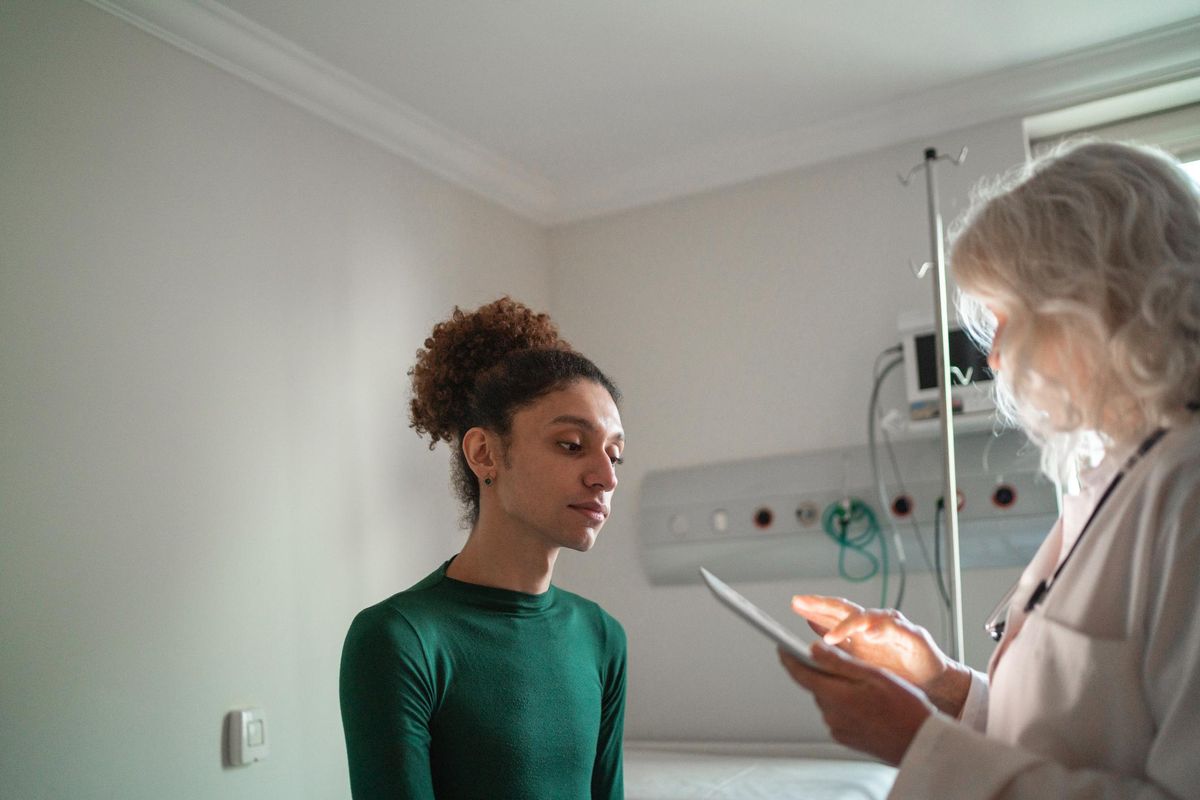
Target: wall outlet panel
(761,519)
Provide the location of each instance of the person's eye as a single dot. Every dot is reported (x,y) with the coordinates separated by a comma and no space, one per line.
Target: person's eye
(571,447)
(616,460)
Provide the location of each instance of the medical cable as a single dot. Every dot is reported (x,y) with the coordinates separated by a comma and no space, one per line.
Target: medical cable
(937,571)
(937,546)
(918,534)
(872,422)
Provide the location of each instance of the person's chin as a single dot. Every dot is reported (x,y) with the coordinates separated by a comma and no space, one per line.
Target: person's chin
(583,541)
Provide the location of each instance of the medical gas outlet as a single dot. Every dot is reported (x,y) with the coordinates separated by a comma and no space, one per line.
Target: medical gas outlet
(761,519)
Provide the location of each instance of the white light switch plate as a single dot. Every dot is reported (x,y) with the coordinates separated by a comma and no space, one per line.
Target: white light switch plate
(246,731)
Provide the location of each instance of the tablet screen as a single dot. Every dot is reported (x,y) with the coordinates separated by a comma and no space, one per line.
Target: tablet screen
(759,619)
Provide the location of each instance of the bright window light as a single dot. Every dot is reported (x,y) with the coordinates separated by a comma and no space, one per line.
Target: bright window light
(1193,169)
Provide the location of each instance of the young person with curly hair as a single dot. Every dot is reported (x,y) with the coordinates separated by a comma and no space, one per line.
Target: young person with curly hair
(1083,272)
(484,680)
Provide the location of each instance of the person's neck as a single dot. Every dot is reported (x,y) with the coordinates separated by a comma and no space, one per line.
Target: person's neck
(503,557)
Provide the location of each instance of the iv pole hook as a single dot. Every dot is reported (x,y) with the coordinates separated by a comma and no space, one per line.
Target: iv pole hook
(931,155)
(955,160)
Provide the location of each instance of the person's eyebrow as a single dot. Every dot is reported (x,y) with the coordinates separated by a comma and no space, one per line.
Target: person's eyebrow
(586,424)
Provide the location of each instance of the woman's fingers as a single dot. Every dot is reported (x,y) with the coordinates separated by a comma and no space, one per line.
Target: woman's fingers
(838,663)
(824,611)
(851,626)
(875,627)
(815,680)
(831,664)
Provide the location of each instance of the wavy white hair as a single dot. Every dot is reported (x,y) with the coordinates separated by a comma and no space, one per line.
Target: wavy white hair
(1093,249)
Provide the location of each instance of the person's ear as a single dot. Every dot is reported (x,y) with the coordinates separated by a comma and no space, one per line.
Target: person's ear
(480,448)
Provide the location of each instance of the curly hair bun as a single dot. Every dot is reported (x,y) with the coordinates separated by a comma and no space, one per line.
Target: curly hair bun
(459,350)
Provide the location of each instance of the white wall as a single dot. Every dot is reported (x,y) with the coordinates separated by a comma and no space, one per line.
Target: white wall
(208,302)
(739,323)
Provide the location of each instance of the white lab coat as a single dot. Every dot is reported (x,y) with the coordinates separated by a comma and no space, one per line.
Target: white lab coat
(1097,692)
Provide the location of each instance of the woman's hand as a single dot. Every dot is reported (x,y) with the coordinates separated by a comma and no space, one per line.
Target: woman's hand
(865,708)
(885,639)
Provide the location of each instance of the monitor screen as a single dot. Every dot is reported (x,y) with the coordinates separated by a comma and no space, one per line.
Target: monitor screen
(964,355)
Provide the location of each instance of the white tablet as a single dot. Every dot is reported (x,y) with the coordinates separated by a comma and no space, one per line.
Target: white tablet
(761,620)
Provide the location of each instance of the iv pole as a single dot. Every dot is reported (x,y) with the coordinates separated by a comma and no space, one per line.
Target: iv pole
(945,407)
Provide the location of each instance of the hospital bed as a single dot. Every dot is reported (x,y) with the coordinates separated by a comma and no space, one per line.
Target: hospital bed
(711,771)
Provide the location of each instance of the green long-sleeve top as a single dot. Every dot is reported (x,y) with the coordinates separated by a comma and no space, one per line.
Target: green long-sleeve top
(453,690)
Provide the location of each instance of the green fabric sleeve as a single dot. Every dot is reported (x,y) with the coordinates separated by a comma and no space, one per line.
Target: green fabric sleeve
(387,702)
(608,776)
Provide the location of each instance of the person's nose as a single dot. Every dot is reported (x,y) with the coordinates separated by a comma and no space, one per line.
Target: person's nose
(993,359)
(602,473)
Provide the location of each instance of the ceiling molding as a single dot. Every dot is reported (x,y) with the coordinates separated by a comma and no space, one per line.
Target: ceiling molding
(238,45)
(1160,56)
(246,49)
(1102,113)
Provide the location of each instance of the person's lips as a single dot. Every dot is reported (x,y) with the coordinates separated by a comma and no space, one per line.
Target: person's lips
(597,512)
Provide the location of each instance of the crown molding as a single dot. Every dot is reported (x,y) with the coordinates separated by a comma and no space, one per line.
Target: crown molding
(228,40)
(1160,56)
(1104,112)
(246,49)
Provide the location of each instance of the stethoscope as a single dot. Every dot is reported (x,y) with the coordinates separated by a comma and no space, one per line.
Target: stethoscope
(998,618)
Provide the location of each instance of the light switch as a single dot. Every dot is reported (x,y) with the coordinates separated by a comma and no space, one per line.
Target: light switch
(246,732)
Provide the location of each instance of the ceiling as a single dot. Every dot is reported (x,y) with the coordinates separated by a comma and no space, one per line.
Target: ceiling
(563,109)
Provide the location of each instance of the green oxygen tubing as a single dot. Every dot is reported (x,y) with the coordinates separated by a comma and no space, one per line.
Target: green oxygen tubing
(854,527)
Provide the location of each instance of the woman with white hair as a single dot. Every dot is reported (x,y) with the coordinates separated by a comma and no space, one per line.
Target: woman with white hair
(1083,273)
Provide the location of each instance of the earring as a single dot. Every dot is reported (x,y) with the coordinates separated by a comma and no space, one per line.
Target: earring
(488,480)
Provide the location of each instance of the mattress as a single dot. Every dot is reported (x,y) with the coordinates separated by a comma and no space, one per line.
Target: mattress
(652,774)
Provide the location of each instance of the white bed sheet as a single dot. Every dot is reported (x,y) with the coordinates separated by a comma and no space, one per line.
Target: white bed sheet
(663,775)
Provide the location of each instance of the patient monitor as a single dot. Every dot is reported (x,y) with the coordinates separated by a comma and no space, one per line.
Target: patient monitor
(969,373)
